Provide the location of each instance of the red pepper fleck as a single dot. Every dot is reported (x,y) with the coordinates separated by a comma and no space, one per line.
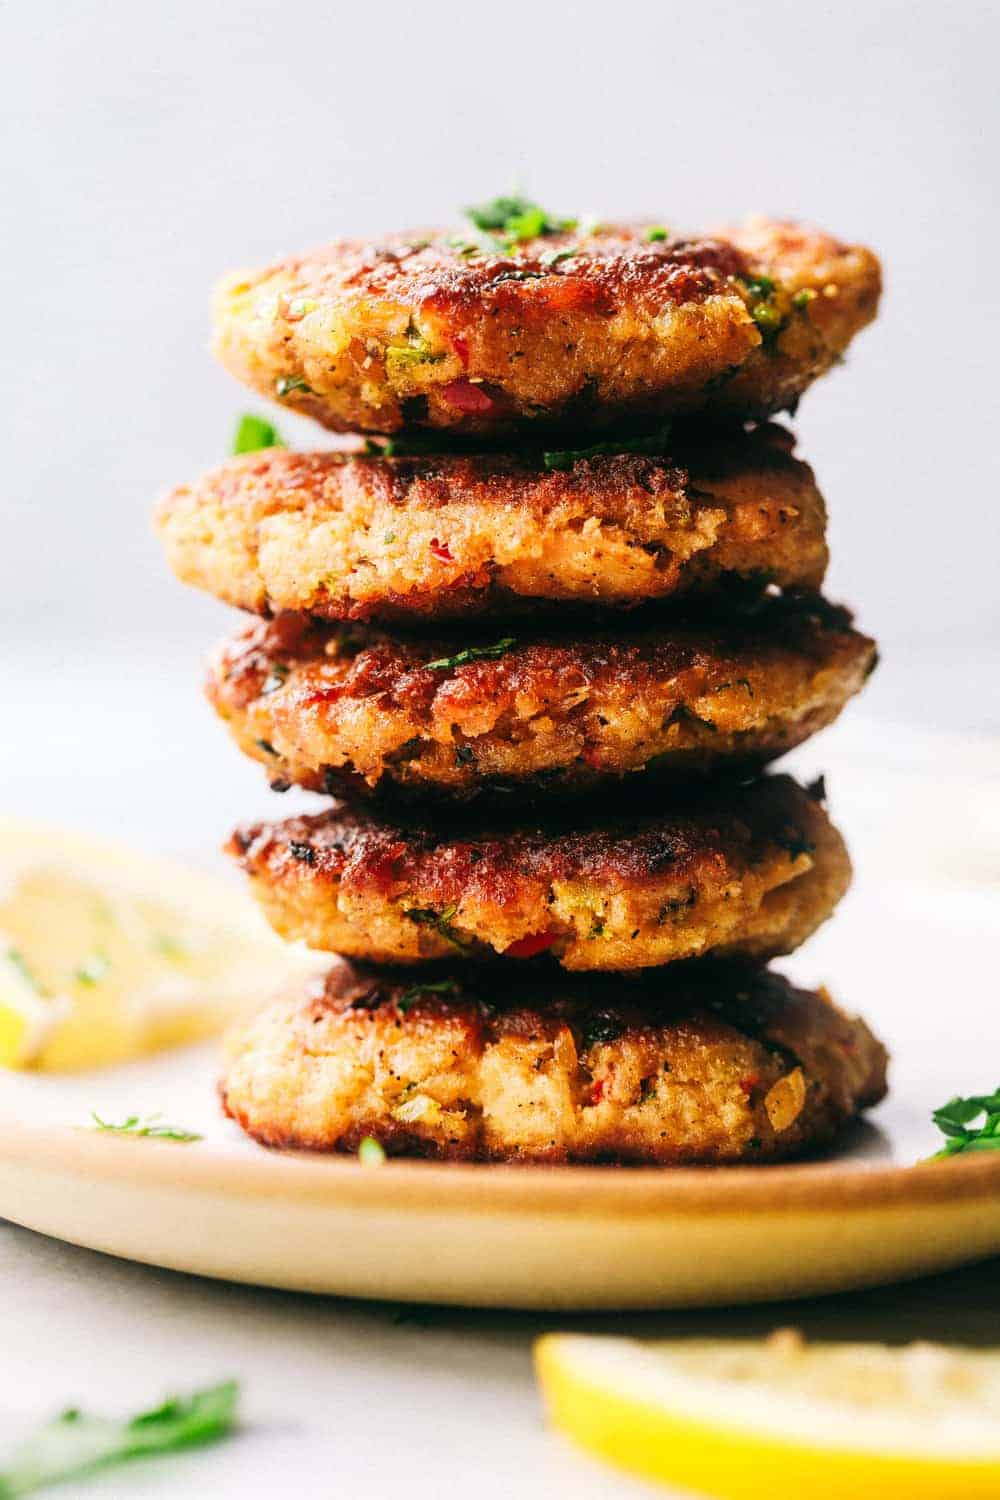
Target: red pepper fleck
(750,1083)
(527,947)
(440,550)
(597,1093)
(467,397)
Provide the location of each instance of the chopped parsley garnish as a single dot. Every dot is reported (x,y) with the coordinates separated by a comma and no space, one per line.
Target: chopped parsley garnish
(92,970)
(20,963)
(506,222)
(410,997)
(253,433)
(426,916)
(370,1152)
(304,853)
(286,384)
(145,1125)
(767,318)
(471,653)
(803,298)
(657,233)
(74,1444)
(651,444)
(416,351)
(957,1120)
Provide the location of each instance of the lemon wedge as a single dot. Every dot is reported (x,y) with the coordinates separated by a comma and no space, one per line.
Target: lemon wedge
(106,954)
(745,1420)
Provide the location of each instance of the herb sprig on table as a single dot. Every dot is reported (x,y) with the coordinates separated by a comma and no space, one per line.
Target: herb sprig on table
(74,1444)
(958,1121)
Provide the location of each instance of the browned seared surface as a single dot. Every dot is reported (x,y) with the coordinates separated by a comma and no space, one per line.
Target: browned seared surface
(352,537)
(342,707)
(746,869)
(576,329)
(711,1063)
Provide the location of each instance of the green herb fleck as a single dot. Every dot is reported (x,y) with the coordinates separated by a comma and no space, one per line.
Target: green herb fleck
(552,258)
(465,755)
(657,232)
(370,1152)
(93,969)
(20,963)
(266,746)
(426,916)
(253,433)
(143,1125)
(596,926)
(803,298)
(389,538)
(767,318)
(75,1443)
(651,444)
(957,1118)
(416,351)
(472,653)
(507,222)
(286,384)
(410,997)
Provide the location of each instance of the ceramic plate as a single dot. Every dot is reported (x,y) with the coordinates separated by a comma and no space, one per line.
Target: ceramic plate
(913,947)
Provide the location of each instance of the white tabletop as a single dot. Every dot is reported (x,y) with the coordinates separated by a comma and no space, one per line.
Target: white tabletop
(358,1401)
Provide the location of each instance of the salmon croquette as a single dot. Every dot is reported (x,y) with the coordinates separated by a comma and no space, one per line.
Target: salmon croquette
(343,708)
(747,870)
(405,539)
(704,1063)
(560,326)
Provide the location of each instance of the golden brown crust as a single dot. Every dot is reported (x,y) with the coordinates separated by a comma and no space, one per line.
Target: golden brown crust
(356,537)
(709,1063)
(747,869)
(352,709)
(575,329)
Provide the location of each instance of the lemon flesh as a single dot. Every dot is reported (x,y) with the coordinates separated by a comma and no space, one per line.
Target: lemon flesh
(745,1420)
(107,954)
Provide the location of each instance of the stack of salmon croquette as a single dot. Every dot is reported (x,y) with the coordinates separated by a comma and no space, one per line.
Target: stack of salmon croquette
(537,639)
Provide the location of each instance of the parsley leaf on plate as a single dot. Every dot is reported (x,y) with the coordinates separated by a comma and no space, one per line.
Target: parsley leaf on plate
(139,1125)
(957,1120)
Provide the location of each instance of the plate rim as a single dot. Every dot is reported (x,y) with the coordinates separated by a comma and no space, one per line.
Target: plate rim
(831,1185)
